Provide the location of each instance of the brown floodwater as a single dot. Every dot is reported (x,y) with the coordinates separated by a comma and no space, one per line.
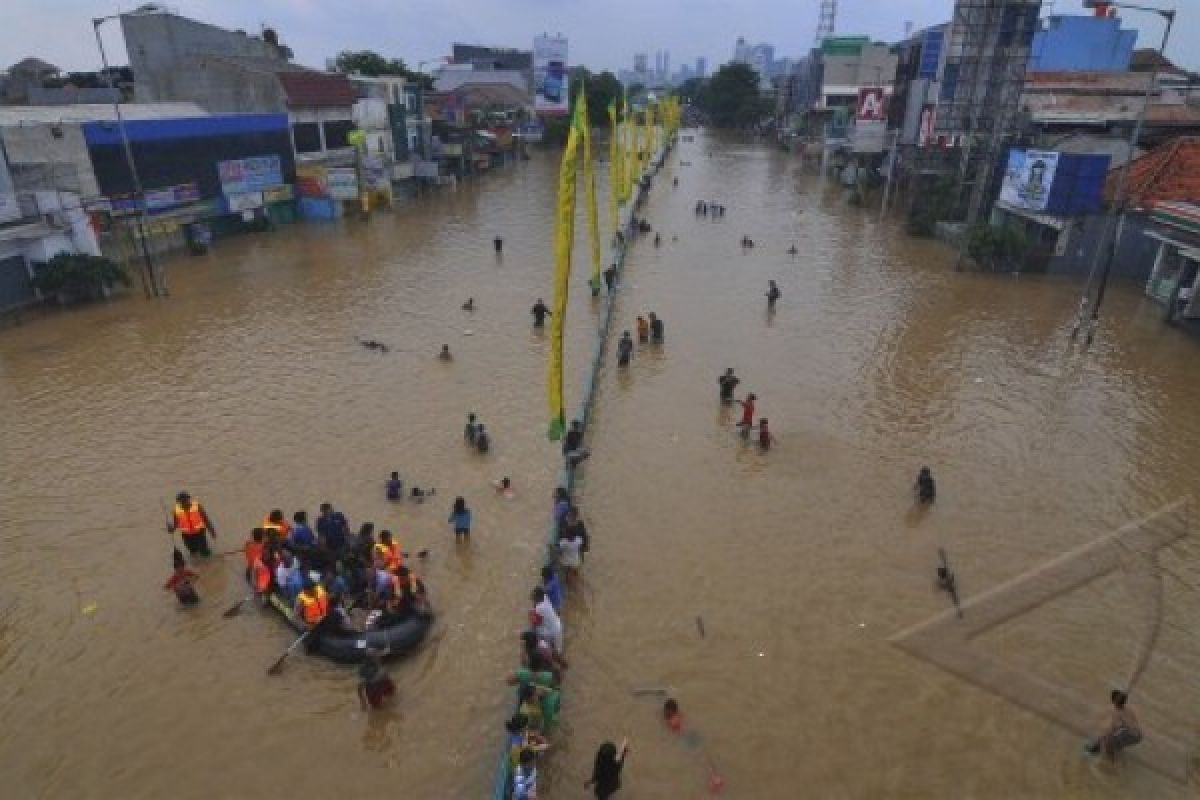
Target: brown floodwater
(247,388)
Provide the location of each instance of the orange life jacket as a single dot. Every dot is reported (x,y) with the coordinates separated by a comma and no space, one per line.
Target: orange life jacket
(254,551)
(260,574)
(390,554)
(313,609)
(282,527)
(189,521)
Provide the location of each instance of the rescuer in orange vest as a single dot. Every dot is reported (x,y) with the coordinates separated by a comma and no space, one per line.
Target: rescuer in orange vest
(389,552)
(312,604)
(191,520)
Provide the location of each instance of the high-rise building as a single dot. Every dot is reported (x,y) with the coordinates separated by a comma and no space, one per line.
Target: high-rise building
(666,68)
(640,61)
(741,51)
(701,66)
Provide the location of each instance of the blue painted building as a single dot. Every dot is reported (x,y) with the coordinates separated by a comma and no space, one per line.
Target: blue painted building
(1079,43)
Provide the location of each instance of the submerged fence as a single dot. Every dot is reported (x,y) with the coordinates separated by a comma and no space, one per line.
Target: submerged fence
(502,784)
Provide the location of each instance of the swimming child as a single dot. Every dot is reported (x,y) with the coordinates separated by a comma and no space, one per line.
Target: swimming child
(504,487)
(181,581)
(482,442)
(444,355)
(471,429)
(643,329)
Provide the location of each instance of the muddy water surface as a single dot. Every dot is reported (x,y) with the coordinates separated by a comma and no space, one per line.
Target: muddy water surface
(247,388)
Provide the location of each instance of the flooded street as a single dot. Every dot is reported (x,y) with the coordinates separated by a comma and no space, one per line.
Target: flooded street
(247,388)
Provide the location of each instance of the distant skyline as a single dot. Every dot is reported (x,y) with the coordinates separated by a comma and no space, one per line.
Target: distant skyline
(602,35)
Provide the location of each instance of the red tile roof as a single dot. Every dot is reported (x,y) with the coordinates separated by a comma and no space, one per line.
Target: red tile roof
(1167,173)
(317,89)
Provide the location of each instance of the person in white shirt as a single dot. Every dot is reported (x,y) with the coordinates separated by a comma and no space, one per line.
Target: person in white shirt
(546,623)
(570,552)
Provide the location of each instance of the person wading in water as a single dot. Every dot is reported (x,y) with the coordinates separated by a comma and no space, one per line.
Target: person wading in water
(192,522)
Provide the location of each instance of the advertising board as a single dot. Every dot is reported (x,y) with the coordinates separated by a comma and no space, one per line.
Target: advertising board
(255,174)
(551,87)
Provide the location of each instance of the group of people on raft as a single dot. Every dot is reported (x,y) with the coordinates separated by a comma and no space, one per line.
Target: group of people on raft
(318,575)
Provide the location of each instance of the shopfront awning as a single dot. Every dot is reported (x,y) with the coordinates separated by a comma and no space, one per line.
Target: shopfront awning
(1179,215)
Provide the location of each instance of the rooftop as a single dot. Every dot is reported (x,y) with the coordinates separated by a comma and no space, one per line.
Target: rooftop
(90,112)
(317,89)
(1168,173)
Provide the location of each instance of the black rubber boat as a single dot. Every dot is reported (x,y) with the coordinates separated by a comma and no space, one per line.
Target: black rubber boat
(351,648)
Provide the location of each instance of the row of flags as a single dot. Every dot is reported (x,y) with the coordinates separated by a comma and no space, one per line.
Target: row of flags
(632,143)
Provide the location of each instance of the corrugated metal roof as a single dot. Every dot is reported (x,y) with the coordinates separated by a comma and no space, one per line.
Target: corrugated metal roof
(93,112)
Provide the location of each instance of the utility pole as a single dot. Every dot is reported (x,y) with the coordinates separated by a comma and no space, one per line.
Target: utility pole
(157,284)
(1107,246)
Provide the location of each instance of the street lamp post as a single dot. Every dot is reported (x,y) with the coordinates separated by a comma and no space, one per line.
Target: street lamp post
(1106,248)
(157,286)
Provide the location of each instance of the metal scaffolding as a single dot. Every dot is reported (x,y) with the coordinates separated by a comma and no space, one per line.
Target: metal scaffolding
(987,47)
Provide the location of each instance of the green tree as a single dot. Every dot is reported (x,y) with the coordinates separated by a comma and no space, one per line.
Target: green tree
(370,63)
(731,97)
(601,89)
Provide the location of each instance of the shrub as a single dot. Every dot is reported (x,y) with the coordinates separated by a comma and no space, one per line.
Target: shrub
(1001,248)
(77,276)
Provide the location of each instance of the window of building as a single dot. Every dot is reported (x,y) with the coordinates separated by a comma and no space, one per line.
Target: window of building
(337,133)
(307,137)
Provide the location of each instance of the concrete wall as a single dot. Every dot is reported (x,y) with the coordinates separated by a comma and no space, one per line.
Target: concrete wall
(160,46)
(44,156)
(1082,43)
(1077,243)
(875,63)
(223,88)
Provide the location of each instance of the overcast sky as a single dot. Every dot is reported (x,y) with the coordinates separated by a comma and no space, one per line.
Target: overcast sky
(602,34)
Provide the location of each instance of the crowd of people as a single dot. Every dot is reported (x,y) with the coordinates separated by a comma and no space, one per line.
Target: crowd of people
(317,573)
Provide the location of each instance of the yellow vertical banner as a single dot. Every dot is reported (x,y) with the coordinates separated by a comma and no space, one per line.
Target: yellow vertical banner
(589,185)
(629,173)
(564,241)
(614,165)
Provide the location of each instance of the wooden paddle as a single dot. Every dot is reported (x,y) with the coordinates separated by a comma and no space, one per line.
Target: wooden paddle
(277,667)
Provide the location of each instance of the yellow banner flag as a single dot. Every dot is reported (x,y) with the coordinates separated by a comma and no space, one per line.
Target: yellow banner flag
(589,185)
(614,166)
(564,240)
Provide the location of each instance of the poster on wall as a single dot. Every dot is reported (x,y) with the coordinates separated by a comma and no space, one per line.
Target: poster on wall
(551,92)
(243,175)
(9,210)
(1028,178)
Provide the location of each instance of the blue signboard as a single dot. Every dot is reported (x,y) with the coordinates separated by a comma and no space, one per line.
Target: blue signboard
(249,174)
(931,53)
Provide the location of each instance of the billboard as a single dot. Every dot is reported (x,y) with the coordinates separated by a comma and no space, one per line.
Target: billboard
(1028,178)
(245,175)
(870,120)
(551,94)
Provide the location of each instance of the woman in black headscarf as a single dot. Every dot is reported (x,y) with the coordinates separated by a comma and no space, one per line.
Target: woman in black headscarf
(606,773)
